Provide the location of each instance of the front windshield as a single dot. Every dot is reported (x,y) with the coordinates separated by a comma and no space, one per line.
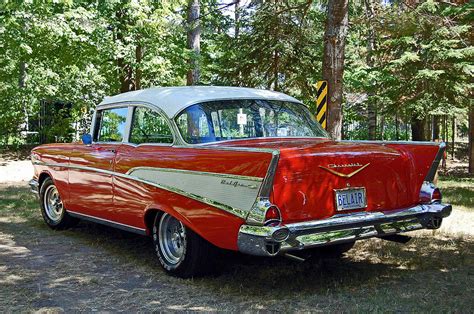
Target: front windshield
(239,119)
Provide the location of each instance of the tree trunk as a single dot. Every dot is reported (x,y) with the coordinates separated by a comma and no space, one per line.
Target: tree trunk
(21,85)
(125,71)
(138,70)
(333,61)
(236,18)
(406,128)
(445,129)
(382,128)
(453,136)
(371,105)
(397,127)
(372,117)
(276,59)
(436,128)
(193,42)
(471,139)
(418,127)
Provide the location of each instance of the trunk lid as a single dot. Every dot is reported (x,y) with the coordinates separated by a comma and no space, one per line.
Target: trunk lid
(309,170)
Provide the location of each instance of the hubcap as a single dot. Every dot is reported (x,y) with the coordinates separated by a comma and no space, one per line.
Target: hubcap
(52,204)
(172,239)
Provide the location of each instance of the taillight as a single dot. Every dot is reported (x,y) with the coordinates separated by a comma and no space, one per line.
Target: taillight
(429,193)
(272,216)
(436,195)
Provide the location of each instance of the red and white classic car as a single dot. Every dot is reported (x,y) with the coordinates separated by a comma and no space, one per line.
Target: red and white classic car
(234,168)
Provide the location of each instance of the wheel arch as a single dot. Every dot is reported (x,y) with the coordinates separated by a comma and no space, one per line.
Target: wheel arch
(149,218)
(42,177)
(158,209)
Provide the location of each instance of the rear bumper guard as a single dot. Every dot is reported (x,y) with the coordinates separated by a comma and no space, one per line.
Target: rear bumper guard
(273,240)
(34,186)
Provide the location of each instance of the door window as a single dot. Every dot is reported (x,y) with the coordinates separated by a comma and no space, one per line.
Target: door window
(111,125)
(148,126)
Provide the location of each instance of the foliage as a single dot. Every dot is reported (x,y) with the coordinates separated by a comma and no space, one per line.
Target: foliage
(423,61)
(78,52)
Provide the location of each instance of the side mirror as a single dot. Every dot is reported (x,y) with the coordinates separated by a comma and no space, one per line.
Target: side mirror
(87,139)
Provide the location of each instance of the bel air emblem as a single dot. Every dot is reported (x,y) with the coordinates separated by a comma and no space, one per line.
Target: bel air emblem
(236,183)
(344,175)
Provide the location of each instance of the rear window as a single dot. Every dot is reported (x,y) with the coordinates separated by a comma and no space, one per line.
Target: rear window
(238,119)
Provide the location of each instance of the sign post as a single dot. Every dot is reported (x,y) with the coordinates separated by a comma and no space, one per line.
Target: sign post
(322,103)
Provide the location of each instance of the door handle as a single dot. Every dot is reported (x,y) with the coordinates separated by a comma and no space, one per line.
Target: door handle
(112,150)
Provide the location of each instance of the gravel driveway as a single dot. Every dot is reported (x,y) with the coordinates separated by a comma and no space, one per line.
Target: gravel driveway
(15,171)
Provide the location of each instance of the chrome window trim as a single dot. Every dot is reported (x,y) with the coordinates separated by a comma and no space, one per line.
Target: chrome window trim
(128,125)
(232,210)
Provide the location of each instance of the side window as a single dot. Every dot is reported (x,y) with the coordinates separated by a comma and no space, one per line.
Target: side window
(111,125)
(148,126)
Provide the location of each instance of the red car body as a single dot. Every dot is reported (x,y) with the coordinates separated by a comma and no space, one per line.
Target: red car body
(262,196)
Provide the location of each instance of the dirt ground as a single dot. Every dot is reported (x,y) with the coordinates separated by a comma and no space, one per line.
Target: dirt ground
(96,268)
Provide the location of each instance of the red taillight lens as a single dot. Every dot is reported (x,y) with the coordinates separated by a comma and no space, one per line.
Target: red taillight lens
(436,195)
(429,193)
(272,215)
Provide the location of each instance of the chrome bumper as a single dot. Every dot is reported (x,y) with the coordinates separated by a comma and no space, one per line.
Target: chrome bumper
(34,186)
(270,241)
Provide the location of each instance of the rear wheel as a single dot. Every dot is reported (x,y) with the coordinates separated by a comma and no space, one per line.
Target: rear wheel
(52,207)
(180,250)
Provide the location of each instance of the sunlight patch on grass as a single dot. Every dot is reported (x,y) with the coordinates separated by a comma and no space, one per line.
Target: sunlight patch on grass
(458,191)
(18,201)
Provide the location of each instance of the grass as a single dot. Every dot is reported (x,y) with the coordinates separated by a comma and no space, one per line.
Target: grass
(100,268)
(18,201)
(458,191)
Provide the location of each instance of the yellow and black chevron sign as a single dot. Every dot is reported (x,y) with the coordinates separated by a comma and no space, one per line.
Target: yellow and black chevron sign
(322,102)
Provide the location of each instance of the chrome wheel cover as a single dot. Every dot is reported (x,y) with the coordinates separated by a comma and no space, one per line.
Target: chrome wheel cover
(53,206)
(172,239)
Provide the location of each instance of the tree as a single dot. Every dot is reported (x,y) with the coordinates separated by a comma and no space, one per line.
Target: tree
(279,47)
(333,61)
(371,106)
(193,42)
(471,139)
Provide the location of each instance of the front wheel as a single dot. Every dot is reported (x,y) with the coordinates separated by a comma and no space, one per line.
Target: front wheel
(52,207)
(181,251)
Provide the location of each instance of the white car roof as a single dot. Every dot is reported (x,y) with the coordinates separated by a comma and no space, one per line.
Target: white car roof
(172,100)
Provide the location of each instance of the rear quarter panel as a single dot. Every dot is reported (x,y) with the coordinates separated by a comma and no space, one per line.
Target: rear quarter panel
(134,199)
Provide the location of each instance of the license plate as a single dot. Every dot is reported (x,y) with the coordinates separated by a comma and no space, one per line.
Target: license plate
(351,198)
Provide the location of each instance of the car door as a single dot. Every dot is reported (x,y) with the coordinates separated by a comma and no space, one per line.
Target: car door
(92,166)
(149,144)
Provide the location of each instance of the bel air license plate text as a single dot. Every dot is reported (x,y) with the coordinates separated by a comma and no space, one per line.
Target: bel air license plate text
(348,199)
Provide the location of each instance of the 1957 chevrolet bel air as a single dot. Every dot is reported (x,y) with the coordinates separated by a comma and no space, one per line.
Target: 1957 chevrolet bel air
(234,168)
